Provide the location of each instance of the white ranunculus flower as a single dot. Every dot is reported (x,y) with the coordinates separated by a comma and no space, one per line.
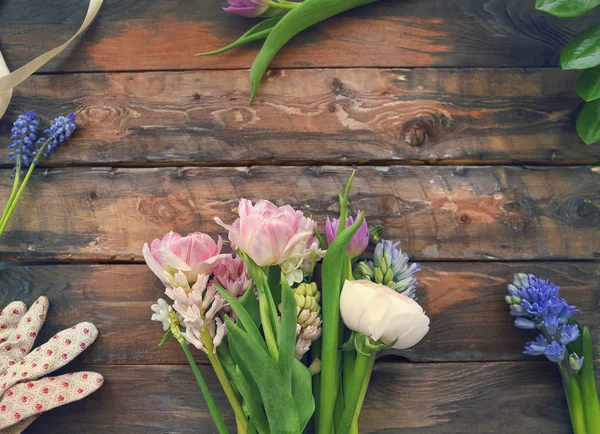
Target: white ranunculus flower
(381,313)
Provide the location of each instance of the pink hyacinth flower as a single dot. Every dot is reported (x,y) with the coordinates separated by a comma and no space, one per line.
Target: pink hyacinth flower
(192,255)
(267,233)
(230,273)
(359,241)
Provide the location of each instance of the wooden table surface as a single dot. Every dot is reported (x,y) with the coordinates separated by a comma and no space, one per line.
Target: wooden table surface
(456,114)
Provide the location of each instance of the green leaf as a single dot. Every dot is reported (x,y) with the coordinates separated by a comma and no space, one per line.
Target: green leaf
(252,400)
(259,31)
(588,385)
(259,278)
(344,202)
(243,316)
(276,395)
(566,8)
(575,402)
(287,336)
(301,17)
(588,122)
(168,335)
(302,392)
(334,263)
(588,85)
(250,303)
(583,52)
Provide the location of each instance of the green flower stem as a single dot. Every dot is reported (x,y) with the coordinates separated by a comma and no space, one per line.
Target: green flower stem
(240,416)
(282,5)
(268,330)
(212,407)
(362,373)
(14,189)
(363,393)
(13,205)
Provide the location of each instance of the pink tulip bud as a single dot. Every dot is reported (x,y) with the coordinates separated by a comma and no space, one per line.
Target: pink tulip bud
(267,233)
(359,241)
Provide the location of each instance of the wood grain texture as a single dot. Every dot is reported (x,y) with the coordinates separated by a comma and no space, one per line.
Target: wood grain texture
(337,116)
(465,301)
(438,212)
(513,397)
(155,35)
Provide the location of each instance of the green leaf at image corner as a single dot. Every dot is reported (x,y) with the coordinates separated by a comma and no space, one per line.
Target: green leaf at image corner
(256,33)
(588,122)
(588,85)
(566,8)
(584,51)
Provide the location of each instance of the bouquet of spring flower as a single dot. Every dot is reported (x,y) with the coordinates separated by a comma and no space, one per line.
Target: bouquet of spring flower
(286,346)
(283,20)
(536,306)
(26,150)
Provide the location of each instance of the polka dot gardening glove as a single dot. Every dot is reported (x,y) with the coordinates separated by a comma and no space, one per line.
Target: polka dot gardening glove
(22,398)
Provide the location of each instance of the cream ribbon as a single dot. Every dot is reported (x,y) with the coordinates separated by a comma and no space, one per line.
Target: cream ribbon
(9,80)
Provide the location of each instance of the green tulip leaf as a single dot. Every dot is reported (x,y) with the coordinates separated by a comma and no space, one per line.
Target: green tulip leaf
(259,278)
(566,8)
(303,392)
(584,51)
(258,32)
(334,264)
(276,395)
(304,15)
(252,400)
(588,85)
(243,316)
(588,122)
(250,303)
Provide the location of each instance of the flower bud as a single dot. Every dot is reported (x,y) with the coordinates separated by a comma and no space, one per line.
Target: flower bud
(375,234)
(575,362)
(308,311)
(315,366)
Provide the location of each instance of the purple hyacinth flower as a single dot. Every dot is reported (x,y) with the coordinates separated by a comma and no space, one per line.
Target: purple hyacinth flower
(247,8)
(359,241)
(555,352)
(568,334)
(536,347)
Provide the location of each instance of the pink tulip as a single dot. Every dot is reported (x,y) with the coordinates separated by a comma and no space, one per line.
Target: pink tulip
(230,273)
(359,241)
(267,233)
(192,255)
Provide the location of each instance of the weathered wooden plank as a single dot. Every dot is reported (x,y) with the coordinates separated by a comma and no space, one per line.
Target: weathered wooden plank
(465,301)
(449,398)
(155,35)
(438,212)
(334,116)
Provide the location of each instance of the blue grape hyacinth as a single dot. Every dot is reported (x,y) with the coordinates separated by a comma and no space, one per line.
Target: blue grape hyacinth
(390,267)
(535,304)
(26,149)
(24,135)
